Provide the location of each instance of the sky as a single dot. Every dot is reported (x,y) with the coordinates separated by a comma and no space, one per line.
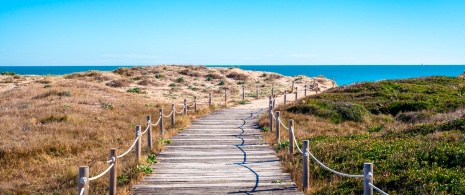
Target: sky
(231,32)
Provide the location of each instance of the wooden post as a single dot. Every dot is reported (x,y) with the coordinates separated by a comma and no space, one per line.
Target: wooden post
(296,93)
(278,126)
(272,89)
(317,88)
(225,99)
(83,180)
(172,115)
(367,178)
(270,112)
(256,92)
(243,94)
(291,137)
(305,90)
(274,100)
(195,104)
(333,82)
(285,94)
(292,88)
(113,175)
(305,161)
(161,121)
(185,107)
(149,131)
(138,153)
(210,100)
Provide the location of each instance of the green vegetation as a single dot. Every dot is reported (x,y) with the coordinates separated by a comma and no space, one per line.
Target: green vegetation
(412,130)
(8,73)
(158,76)
(165,141)
(180,79)
(136,90)
(221,83)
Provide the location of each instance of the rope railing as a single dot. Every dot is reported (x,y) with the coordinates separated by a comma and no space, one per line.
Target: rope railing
(159,119)
(368,167)
(101,174)
(130,148)
(377,189)
(166,116)
(84,179)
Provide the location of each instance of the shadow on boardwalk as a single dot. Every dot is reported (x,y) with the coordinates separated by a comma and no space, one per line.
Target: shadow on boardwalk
(221,153)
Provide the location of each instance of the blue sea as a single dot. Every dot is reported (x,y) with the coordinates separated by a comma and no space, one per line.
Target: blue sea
(342,74)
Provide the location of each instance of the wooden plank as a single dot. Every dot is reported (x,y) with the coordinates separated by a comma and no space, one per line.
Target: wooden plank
(218,154)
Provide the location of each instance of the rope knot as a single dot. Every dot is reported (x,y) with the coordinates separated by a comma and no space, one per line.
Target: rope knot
(83,180)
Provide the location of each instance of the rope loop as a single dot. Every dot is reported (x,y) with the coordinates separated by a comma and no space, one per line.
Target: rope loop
(103,173)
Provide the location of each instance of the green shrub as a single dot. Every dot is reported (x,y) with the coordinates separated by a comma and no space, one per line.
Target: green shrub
(221,83)
(151,159)
(180,79)
(47,86)
(209,78)
(144,169)
(158,76)
(172,85)
(64,93)
(136,90)
(8,73)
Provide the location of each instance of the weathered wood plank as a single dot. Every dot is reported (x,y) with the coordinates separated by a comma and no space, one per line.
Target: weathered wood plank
(221,153)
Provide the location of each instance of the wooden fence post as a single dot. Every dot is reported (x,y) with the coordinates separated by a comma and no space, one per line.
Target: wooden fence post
(172,116)
(256,92)
(149,131)
(285,94)
(138,148)
(243,94)
(305,161)
(305,90)
(316,88)
(270,114)
(161,121)
(367,178)
(296,93)
(292,88)
(274,100)
(113,174)
(195,103)
(291,137)
(225,99)
(272,89)
(83,180)
(185,107)
(278,127)
(210,100)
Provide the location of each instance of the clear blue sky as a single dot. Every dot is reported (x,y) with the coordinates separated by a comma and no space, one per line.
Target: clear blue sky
(315,32)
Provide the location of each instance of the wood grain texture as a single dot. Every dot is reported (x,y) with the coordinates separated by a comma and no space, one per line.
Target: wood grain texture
(220,153)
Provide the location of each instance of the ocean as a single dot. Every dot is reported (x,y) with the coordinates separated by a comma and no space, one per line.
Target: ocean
(342,74)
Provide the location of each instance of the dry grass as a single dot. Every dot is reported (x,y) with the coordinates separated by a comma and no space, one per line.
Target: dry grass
(46,136)
(53,125)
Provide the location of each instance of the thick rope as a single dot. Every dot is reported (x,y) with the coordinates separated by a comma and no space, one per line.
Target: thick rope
(191,105)
(169,114)
(377,189)
(295,141)
(181,109)
(159,119)
(280,122)
(146,129)
(82,191)
(130,148)
(329,169)
(272,114)
(103,173)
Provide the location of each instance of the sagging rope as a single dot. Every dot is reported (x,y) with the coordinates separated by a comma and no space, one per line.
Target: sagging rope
(159,119)
(377,189)
(314,158)
(130,148)
(103,173)
(184,106)
(191,105)
(169,114)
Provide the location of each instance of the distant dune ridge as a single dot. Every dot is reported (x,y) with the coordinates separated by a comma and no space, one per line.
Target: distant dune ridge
(53,124)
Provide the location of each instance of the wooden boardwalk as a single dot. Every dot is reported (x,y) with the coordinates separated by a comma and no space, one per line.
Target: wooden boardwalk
(221,153)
